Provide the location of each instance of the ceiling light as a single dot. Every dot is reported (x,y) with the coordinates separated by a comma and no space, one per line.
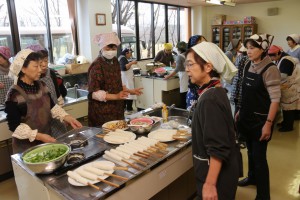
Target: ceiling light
(216,2)
(227,3)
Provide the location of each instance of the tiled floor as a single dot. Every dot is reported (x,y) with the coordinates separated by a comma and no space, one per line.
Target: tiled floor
(284,164)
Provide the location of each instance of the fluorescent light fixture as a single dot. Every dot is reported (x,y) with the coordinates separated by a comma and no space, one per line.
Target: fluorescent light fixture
(227,3)
(216,2)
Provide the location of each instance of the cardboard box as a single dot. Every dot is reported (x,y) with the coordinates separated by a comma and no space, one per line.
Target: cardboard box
(77,68)
(218,19)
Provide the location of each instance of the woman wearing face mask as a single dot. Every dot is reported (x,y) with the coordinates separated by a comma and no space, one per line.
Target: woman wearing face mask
(106,93)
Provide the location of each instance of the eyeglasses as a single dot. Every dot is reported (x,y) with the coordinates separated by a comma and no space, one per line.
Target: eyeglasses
(189,65)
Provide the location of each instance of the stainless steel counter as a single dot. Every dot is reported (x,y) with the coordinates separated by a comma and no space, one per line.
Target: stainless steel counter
(160,172)
(63,190)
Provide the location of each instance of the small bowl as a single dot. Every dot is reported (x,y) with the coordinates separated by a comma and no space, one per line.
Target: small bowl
(141,125)
(46,167)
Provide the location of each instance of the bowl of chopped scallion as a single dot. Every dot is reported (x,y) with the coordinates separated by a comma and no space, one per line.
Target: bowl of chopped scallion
(45,158)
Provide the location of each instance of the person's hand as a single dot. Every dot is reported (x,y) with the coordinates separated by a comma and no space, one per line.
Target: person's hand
(45,138)
(209,192)
(266,132)
(123,94)
(1,85)
(137,91)
(72,121)
(166,77)
(134,62)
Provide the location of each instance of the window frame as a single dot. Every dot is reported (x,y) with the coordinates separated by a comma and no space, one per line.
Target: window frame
(136,10)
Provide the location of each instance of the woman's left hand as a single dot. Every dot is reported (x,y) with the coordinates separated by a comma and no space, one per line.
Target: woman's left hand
(209,192)
(72,121)
(266,132)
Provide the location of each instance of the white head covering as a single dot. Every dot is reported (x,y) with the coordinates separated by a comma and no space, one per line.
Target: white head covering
(296,37)
(211,53)
(17,64)
(105,39)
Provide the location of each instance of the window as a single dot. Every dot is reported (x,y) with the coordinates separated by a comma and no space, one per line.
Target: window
(184,24)
(145,30)
(127,24)
(5,33)
(152,19)
(31,23)
(33,27)
(61,33)
(159,27)
(172,25)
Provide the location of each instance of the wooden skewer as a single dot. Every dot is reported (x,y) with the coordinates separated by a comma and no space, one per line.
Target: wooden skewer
(108,182)
(94,186)
(116,176)
(144,153)
(155,154)
(140,155)
(139,161)
(130,164)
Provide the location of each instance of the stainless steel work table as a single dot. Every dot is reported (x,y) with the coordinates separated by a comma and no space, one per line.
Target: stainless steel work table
(142,184)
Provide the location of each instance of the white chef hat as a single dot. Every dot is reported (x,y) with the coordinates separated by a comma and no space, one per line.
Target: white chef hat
(211,53)
(18,63)
(105,39)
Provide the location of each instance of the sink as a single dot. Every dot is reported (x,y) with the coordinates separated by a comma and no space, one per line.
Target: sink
(76,93)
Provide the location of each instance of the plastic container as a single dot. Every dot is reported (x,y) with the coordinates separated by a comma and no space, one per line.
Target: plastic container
(61,69)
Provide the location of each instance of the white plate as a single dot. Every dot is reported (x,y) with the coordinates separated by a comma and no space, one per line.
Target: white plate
(163,135)
(109,138)
(106,125)
(73,182)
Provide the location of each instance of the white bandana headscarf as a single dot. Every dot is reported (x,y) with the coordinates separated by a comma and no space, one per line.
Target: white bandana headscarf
(211,53)
(105,39)
(296,38)
(17,64)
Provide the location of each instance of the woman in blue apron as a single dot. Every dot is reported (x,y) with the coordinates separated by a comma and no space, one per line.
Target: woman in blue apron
(260,101)
(29,106)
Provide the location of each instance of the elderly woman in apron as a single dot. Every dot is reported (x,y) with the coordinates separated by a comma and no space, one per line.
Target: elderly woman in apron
(183,77)
(29,106)
(215,153)
(106,93)
(260,102)
(127,76)
(48,76)
(289,95)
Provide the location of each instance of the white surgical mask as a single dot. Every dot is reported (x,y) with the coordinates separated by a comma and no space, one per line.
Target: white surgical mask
(109,54)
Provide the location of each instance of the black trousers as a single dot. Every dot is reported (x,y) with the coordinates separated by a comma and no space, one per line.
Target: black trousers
(288,118)
(128,105)
(258,167)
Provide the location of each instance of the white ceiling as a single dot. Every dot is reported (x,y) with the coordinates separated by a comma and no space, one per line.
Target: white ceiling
(202,2)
